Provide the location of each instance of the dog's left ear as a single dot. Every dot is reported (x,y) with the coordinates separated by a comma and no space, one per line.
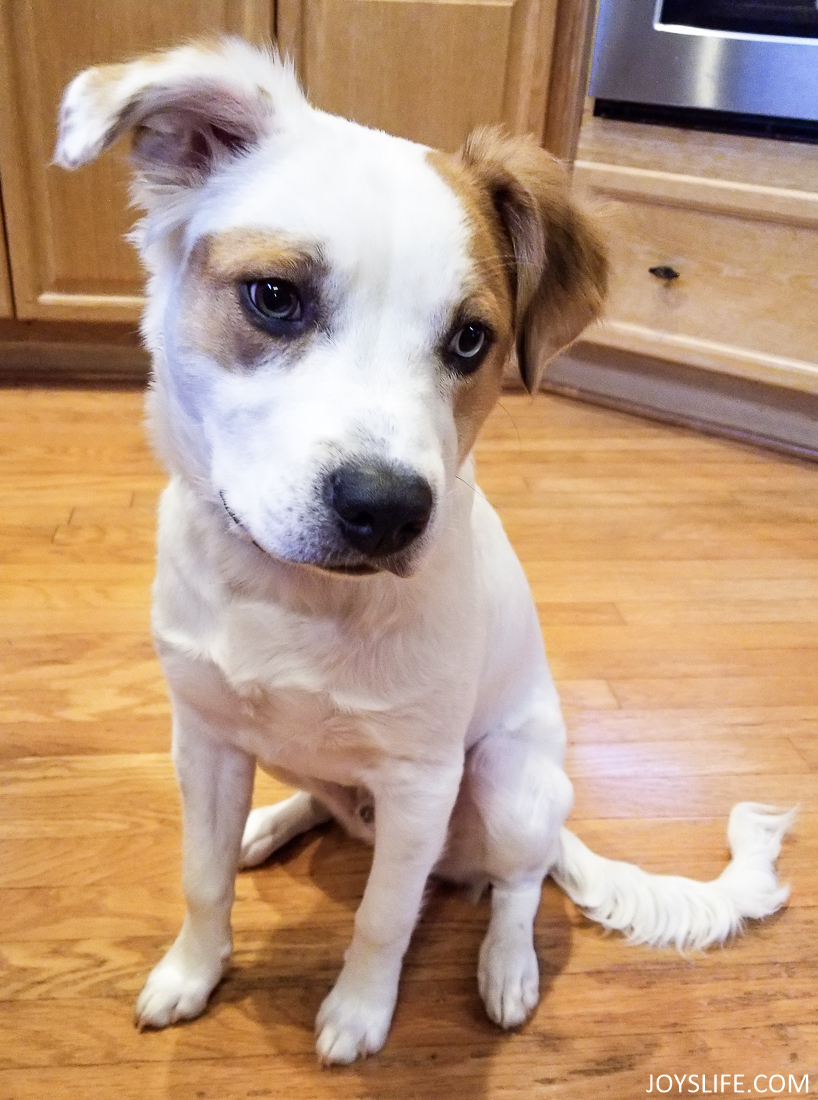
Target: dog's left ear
(190,109)
(559,262)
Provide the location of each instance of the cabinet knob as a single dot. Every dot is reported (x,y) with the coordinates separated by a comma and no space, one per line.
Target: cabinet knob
(664,272)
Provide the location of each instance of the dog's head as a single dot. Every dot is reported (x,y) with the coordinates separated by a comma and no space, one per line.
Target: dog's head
(330,308)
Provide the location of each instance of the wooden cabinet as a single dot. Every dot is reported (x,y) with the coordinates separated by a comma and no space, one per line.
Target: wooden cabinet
(431,70)
(65,230)
(736,220)
(423,69)
(427,69)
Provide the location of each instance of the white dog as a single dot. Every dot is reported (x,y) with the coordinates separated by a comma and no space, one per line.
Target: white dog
(330,310)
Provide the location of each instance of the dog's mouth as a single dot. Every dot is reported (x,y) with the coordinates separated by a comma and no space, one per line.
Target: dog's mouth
(238,528)
(361,568)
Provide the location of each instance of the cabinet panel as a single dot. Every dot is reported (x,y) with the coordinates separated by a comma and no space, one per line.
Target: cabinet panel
(429,70)
(735,273)
(65,230)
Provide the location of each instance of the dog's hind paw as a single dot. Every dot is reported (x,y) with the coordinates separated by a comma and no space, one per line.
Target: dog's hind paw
(264,834)
(509,980)
(269,828)
(349,1028)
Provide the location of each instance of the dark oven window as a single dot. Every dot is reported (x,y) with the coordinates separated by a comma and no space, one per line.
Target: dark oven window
(791,18)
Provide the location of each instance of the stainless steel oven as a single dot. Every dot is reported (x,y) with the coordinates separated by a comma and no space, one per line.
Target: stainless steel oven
(750,59)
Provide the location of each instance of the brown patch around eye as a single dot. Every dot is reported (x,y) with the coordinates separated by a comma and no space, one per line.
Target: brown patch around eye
(247,253)
(489,299)
(213,318)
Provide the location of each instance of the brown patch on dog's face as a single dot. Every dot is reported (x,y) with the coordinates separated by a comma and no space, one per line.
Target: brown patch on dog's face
(490,301)
(216,321)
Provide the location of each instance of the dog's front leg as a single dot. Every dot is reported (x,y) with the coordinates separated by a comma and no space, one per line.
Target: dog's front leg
(216,783)
(412,814)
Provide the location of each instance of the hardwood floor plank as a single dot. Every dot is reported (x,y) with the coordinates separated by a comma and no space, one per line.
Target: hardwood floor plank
(587,693)
(707,723)
(713,613)
(563,541)
(57,736)
(680,663)
(654,759)
(777,688)
(691,796)
(807,748)
(685,636)
(579,613)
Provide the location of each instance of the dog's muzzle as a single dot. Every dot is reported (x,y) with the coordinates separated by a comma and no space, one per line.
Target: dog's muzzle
(381,510)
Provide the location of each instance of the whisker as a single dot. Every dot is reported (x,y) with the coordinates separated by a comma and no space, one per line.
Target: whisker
(500,405)
(468,484)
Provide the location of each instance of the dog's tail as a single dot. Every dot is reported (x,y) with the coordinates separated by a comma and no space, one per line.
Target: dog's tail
(669,909)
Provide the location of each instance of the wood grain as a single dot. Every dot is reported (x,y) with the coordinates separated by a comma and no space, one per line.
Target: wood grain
(735,217)
(427,70)
(745,257)
(677,584)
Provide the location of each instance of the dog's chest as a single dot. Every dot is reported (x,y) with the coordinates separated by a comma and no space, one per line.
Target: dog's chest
(307,733)
(334,702)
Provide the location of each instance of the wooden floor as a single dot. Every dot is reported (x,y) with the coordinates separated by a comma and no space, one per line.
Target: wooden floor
(677,579)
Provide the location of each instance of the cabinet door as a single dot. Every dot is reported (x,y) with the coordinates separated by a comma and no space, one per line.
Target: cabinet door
(65,230)
(429,70)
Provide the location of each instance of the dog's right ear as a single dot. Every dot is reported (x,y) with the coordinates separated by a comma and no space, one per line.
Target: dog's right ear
(189,109)
(558,261)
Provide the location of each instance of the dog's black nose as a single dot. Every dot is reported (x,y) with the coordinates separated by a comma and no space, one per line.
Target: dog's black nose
(381,509)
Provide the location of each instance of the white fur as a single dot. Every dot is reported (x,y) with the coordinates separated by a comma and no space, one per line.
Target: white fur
(423,699)
(665,909)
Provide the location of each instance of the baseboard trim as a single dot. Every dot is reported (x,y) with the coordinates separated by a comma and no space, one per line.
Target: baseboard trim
(44,353)
(716,404)
(57,364)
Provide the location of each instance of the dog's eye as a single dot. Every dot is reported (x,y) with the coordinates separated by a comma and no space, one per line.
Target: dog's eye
(275,300)
(468,347)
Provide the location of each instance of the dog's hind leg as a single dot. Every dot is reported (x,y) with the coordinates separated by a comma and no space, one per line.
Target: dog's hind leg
(269,828)
(522,796)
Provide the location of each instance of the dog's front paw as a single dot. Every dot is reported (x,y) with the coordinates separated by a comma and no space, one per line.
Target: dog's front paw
(509,979)
(350,1027)
(175,990)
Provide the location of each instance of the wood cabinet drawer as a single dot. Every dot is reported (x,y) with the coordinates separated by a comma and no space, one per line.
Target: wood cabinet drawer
(746,297)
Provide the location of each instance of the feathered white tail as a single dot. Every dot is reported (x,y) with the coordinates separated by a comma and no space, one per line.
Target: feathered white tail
(669,909)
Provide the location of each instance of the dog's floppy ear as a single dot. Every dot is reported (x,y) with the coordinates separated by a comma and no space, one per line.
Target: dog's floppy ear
(189,108)
(560,267)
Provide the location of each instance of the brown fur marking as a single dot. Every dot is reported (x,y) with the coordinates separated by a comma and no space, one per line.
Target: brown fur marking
(490,300)
(214,320)
(561,266)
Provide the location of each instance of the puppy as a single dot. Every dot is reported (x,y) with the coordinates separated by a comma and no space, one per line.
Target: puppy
(330,312)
